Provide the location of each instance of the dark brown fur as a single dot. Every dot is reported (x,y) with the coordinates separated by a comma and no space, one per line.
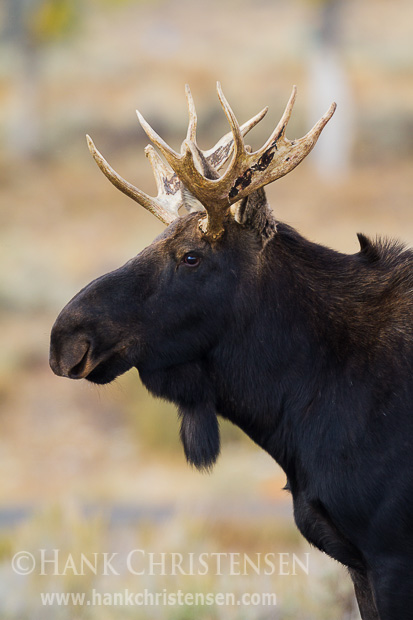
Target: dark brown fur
(308,350)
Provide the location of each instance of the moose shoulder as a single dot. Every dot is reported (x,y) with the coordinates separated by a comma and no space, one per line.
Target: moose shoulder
(231,313)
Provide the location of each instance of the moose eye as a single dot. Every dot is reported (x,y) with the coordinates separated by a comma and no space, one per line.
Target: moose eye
(191,260)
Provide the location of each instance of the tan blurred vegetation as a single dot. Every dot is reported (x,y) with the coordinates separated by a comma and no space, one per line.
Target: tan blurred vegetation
(85,67)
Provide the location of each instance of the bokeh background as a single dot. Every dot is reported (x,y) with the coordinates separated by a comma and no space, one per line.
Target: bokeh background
(93,470)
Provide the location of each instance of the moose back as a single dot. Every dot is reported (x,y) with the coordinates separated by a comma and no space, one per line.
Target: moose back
(231,313)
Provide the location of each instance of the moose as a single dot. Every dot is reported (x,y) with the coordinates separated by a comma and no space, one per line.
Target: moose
(308,350)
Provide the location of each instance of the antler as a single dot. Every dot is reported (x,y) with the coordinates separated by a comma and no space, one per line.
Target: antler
(247,171)
(170,197)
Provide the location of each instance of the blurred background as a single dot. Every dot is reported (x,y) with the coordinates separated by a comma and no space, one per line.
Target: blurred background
(92,470)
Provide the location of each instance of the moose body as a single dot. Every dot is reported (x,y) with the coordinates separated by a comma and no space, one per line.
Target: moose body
(307,350)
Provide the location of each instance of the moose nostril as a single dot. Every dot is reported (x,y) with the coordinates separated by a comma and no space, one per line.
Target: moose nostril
(80,369)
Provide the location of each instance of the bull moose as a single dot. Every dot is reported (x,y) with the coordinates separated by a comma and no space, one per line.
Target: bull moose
(232,313)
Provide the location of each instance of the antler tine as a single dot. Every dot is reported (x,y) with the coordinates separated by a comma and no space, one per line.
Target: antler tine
(239,147)
(315,132)
(279,131)
(165,149)
(151,204)
(191,134)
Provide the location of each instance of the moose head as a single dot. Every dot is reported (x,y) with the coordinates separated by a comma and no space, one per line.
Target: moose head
(170,310)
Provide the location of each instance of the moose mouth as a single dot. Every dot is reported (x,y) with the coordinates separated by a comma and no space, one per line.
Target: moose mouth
(108,370)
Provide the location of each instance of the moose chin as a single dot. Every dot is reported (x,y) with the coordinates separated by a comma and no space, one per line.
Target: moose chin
(231,313)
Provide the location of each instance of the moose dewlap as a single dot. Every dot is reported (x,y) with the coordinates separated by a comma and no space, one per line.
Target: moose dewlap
(231,313)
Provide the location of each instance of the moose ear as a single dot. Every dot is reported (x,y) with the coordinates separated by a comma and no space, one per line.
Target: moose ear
(368,249)
(254,212)
(200,434)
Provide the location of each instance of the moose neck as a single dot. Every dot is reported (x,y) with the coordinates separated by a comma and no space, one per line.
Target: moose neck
(278,375)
